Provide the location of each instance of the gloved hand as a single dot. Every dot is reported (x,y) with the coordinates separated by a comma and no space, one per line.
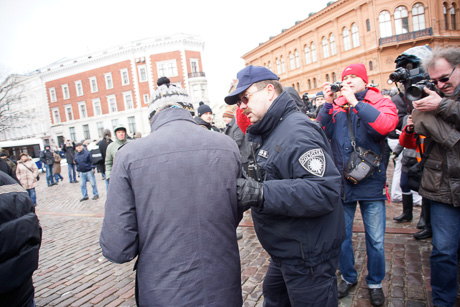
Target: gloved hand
(250,193)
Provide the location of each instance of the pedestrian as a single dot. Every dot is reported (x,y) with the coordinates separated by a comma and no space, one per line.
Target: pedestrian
(10,162)
(361,113)
(103,144)
(46,156)
(84,165)
(437,117)
(112,148)
(57,166)
(181,222)
(69,152)
(4,167)
(293,193)
(20,239)
(27,173)
(205,117)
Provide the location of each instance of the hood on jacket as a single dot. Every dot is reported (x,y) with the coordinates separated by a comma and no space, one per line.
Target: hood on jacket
(120,127)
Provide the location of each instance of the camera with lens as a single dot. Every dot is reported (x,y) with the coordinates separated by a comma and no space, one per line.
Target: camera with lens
(399,75)
(416,91)
(336,86)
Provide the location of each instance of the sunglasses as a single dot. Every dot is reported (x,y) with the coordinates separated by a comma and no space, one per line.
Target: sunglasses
(443,79)
(245,99)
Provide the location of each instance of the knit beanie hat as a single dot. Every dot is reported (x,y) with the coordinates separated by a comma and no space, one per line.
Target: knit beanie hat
(320,95)
(203,108)
(228,114)
(168,95)
(357,70)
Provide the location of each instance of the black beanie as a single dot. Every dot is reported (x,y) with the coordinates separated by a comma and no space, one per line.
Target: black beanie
(203,108)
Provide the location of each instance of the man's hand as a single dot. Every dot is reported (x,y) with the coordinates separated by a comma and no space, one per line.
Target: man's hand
(328,94)
(250,193)
(429,103)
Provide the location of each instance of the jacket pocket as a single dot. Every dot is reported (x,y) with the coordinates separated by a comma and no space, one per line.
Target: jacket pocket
(432,175)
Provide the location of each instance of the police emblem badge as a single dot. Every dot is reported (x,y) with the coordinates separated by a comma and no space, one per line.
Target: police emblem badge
(314,162)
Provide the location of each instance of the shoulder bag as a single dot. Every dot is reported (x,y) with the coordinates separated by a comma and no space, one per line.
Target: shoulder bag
(415,172)
(38,176)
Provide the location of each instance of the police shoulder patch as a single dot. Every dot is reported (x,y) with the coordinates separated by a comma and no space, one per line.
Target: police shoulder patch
(314,162)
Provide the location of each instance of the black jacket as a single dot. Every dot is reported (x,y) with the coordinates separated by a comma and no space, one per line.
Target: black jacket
(20,239)
(103,148)
(46,156)
(69,152)
(4,167)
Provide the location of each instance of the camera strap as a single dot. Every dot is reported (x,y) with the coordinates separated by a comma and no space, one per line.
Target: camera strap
(350,129)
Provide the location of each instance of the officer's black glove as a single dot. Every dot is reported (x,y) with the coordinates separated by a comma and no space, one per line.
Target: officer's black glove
(250,193)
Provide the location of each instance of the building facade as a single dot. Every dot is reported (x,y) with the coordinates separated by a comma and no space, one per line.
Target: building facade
(99,91)
(372,32)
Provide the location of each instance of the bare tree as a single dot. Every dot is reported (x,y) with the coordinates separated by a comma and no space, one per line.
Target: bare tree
(11,115)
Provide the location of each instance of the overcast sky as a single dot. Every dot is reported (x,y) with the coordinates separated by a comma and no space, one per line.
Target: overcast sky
(37,33)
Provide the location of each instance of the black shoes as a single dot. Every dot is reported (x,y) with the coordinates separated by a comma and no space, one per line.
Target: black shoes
(377,297)
(84,198)
(423,234)
(344,287)
(95,197)
(403,218)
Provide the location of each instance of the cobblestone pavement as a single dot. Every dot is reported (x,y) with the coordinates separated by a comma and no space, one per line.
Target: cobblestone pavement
(73,272)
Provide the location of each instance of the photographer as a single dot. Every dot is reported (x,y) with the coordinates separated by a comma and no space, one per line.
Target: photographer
(371,117)
(437,116)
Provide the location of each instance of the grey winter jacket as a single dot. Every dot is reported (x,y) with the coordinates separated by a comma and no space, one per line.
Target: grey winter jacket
(172,203)
(233,131)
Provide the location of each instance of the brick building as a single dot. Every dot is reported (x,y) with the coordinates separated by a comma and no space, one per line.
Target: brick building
(372,32)
(101,90)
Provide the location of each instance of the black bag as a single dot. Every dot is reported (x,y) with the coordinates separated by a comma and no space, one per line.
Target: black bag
(415,172)
(96,156)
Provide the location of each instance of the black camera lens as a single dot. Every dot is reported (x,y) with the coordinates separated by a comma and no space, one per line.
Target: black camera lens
(335,87)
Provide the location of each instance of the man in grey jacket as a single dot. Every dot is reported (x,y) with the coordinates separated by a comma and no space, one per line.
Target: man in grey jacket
(172,203)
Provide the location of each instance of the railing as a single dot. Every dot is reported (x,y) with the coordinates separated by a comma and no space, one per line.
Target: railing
(196,74)
(406,36)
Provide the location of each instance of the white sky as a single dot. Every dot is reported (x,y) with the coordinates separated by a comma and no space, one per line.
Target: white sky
(37,33)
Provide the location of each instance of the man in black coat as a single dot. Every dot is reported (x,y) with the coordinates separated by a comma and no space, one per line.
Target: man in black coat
(47,158)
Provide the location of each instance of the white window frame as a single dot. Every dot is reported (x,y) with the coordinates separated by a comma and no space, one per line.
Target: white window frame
(56,115)
(100,128)
(114,99)
(72,133)
(146,98)
(333,44)
(65,91)
(418,16)
(194,63)
(108,80)
(325,44)
(92,85)
(96,101)
(291,61)
(167,68)
(53,97)
(278,66)
(127,95)
(66,108)
(314,57)
(346,39)
(355,35)
(307,54)
(80,104)
(283,65)
(132,125)
(401,18)
(124,74)
(79,88)
(142,69)
(297,58)
(385,24)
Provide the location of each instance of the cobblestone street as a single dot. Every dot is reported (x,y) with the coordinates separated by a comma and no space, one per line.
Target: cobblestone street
(73,272)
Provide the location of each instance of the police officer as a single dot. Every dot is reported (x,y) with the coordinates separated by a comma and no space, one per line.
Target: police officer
(295,196)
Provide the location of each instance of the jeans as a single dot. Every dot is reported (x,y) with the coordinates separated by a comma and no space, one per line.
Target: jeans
(445,224)
(57,177)
(71,168)
(85,177)
(32,195)
(49,174)
(373,213)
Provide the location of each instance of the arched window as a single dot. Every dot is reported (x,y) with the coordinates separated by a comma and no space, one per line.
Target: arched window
(401,20)
(314,58)
(371,65)
(333,45)
(368,25)
(269,65)
(291,61)
(418,17)
(297,58)
(307,55)
(355,35)
(278,67)
(298,87)
(327,78)
(309,84)
(444,11)
(346,39)
(314,83)
(453,19)
(325,47)
(385,24)
(283,65)
(334,77)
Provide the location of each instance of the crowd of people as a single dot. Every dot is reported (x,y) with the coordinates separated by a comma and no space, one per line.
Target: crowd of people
(300,164)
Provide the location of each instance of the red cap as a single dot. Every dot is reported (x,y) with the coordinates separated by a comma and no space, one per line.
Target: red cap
(357,70)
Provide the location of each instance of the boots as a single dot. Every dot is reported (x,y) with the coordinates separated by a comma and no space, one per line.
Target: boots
(421,222)
(426,232)
(408,204)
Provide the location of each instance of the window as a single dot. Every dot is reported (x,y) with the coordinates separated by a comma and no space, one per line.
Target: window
(314,58)
(385,24)
(97,107)
(56,116)
(108,80)
(401,20)
(297,58)
(142,73)
(334,77)
(371,65)
(93,84)
(114,123)
(53,94)
(325,44)
(453,19)
(278,67)
(368,25)
(73,136)
(346,39)
(167,68)
(269,65)
(307,55)
(327,78)
(86,134)
(65,91)
(68,112)
(112,102)
(298,87)
(124,76)
(100,129)
(283,65)
(418,17)
(355,35)
(128,99)
(194,65)
(291,61)
(132,125)
(444,11)
(333,45)
(146,98)
(82,109)
(314,83)
(79,88)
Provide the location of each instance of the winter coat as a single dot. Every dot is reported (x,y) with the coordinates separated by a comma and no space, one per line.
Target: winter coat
(172,203)
(112,149)
(206,125)
(20,239)
(372,119)
(27,173)
(83,161)
(4,167)
(69,152)
(302,220)
(233,131)
(441,173)
(103,144)
(57,164)
(46,156)
(11,164)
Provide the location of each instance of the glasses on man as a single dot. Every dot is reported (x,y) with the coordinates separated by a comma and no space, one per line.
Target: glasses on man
(245,99)
(443,79)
